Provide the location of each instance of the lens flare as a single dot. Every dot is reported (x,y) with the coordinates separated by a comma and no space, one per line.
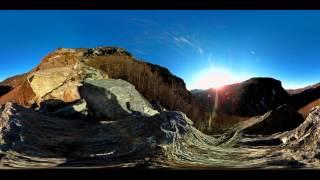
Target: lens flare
(214,78)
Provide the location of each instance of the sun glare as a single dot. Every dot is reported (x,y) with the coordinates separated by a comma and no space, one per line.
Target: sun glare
(214,78)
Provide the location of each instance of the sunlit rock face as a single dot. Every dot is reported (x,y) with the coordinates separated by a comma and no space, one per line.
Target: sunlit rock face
(55,83)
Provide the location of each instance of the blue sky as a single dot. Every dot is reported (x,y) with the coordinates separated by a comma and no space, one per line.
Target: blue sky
(205,48)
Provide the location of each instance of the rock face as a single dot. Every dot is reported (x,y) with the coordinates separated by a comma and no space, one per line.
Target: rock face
(64,142)
(61,87)
(114,99)
(304,140)
(259,95)
(106,51)
(284,118)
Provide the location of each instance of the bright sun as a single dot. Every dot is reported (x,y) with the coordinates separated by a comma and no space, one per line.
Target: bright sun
(213,78)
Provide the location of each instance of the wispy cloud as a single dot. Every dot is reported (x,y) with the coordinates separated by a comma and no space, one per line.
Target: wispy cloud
(182,40)
(200,51)
(210,61)
(141,21)
(139,52)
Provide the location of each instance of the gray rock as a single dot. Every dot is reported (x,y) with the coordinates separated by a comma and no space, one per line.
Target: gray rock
(91,73)
(304,140)
(106,51)
(34,134)
(113,99)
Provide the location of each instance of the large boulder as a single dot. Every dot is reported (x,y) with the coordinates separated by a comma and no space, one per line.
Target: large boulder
(284,118)
(55,83)
(304,141)
(114,98)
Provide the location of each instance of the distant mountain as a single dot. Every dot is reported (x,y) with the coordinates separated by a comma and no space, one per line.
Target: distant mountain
(299,90)
(239,102)
(196,91)
(249,98)
(304,99)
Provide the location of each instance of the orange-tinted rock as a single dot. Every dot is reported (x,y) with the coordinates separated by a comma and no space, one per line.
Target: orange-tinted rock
(21,94)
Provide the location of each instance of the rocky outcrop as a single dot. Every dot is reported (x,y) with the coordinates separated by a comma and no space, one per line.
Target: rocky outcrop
(113,99)
(65,142)
(283,118)
(304,140)
(60,85)
(106,51)
(57,77)
(69,68)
